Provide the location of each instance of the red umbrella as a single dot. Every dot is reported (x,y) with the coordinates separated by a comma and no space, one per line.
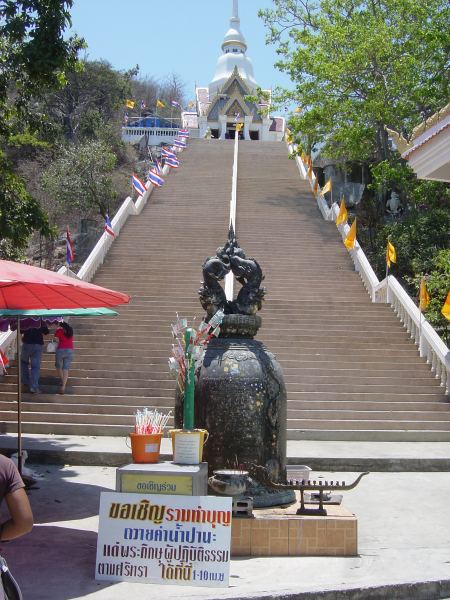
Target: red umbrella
(23,287)
(26,287)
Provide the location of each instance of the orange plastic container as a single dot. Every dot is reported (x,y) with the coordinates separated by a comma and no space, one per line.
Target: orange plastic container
(145,448)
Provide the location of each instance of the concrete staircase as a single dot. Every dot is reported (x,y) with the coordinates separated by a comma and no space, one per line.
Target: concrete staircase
(352,373)
(350,368)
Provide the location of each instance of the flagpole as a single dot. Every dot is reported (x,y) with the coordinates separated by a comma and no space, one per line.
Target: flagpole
(19,402)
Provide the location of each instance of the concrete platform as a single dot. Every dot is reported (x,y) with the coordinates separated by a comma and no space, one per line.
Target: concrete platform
(403,531)
(319,455)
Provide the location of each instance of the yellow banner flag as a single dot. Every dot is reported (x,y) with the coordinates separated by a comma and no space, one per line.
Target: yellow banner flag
(349,241)
(310,171)
(298,109)
(130,103)
(316,186)
(424,296)
(239,126)
(343,215)
(191,104)
(446,308)
(303,156)
(391,255)
(327,187)
(160,104)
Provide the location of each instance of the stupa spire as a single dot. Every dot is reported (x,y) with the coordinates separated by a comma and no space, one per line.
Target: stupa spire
(235,15)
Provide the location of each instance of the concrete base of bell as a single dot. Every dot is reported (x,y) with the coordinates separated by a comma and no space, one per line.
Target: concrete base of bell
(281,532)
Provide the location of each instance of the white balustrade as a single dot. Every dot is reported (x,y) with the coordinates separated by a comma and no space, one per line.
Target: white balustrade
(390,291)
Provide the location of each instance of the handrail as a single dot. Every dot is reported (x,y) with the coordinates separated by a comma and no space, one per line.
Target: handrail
(390,291)
(321,202)
(229,278)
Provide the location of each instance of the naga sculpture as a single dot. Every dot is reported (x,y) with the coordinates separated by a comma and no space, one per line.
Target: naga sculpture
(248,273)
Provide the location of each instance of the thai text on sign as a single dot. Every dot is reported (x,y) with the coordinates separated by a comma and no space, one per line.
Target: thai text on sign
(164,539)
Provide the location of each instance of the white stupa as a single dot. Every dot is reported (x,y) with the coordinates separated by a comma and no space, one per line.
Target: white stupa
(234,48)
(227,100)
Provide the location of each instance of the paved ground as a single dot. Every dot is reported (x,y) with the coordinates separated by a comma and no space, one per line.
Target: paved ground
(404,541)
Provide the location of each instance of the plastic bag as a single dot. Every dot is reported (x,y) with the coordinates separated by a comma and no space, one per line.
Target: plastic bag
(51,347)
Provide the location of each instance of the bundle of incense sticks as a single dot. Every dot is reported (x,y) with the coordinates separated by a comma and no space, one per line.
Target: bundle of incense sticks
(150,421)
(184,352)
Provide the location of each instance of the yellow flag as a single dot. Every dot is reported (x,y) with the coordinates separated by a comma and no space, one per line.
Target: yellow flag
(129,103)
(327,187)
(310,171)
(303,155)
(391,255)
(160,104)
(239,126)
(316,186)
(446,308)
(343,215)
(191,104)
(424,296)
(349,241)
(298,109)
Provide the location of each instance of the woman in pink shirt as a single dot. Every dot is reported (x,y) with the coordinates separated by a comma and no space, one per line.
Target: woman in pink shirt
(64,353)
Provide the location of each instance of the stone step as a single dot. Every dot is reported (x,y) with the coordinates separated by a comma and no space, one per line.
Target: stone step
(370,405)
(374,435)
(78,429)
(368,424)
(367,396)
(399,416)
(79,413)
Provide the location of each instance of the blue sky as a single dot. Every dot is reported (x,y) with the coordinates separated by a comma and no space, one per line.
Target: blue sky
(173,37)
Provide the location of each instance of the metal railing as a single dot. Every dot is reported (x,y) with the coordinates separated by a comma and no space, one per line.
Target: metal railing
(229,277)
(390,291)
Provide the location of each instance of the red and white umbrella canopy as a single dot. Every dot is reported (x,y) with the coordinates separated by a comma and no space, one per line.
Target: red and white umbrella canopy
(26,288)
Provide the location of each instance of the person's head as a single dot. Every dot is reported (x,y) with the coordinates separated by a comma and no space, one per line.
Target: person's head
(68,331)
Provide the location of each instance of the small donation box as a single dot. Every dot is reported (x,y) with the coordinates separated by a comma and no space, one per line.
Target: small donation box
(182,540)
(163,478)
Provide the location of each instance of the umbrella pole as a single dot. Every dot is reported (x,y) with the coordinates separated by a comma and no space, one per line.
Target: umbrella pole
(19,402)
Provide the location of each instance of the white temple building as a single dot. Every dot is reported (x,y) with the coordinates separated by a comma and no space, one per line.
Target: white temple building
(223,103)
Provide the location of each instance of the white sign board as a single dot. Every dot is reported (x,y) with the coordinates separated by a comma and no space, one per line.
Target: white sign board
(183,540)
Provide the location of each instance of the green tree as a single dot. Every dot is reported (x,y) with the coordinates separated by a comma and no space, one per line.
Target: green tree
(438,285)
(94,95)
(34,56)
(359,66)
(79,178)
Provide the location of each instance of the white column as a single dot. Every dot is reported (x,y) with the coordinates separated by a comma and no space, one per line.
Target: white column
(222,126)
(247,122)
(266,123)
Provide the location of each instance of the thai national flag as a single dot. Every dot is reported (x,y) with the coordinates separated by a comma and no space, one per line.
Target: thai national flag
(70,254)
(157,168)
(138,185)
(165,153)
(155,179)
(184,133)
(173,162)
(108,227)
(175,103)
(179,143)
